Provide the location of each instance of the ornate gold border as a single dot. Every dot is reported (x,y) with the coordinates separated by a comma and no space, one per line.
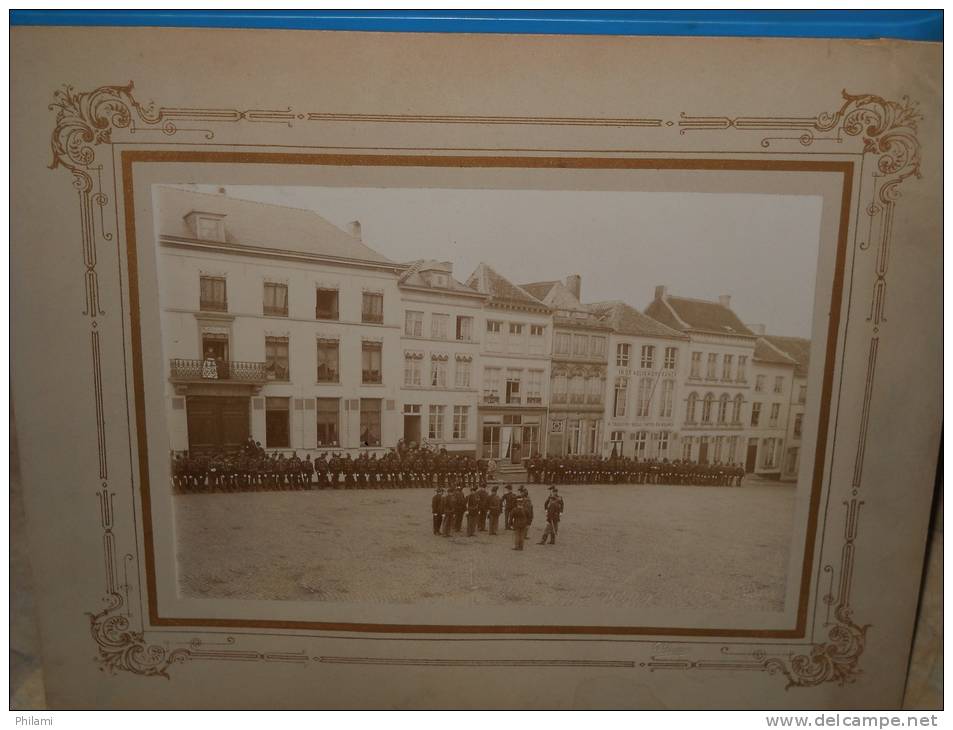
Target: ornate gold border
(888,132)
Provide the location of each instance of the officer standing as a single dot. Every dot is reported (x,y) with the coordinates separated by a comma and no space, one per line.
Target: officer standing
(554,508)
(519,518)
(473,511)
(493,506)
(436,508)
(509,501)
(481,512)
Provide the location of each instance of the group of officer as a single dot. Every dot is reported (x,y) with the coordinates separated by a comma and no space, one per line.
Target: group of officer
(482,510)
(253,469)
(626,470)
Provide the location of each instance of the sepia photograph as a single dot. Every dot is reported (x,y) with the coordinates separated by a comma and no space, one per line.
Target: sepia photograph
(485,397)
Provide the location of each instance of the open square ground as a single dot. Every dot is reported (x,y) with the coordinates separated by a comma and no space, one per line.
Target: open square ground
(621,545)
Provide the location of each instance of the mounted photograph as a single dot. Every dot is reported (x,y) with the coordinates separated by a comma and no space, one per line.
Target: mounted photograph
(470,398)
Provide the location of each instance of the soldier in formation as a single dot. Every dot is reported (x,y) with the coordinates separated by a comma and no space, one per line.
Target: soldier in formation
(627,470)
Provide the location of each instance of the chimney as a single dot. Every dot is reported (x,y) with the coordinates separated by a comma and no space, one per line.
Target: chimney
(354,228)
(574,284)
(660,291)
(758,329)
(725,300)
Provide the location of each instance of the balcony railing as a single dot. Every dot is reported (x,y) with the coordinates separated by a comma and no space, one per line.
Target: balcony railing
(218,370)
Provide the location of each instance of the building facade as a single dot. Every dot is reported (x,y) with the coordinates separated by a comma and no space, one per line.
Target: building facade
(442,322)
(646,358)
(580,346)
(514,373)
(276,325)
(773,373)
(715,383)
(799,350)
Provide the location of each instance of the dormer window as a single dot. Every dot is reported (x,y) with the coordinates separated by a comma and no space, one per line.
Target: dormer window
(206,226)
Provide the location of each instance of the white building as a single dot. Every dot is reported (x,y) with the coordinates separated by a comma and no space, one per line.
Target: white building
(440,348)
(715,383)
(799,350)
(646,358)
(773,373)
(275,325)
(578,370)
(514,352)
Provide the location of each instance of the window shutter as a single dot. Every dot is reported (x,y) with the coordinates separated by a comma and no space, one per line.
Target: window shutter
(258,404)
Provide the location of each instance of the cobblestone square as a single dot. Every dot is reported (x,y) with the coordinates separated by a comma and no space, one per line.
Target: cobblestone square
(653,546)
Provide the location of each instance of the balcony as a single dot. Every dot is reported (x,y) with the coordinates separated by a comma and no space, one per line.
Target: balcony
(227,371)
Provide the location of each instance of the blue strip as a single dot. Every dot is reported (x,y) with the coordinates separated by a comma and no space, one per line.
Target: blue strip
(915,25)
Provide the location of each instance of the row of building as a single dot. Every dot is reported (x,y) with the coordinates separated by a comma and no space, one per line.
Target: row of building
(279,326)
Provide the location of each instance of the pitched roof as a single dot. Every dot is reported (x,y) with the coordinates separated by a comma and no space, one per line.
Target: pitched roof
(765,351)
(500,289)
(700,315)
(262,225)
(628,320)
(797,348)
(540,289)
(414,277)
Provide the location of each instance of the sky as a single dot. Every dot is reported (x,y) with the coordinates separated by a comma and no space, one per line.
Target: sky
(760,249)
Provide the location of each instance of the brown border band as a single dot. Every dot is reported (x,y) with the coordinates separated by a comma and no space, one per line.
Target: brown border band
(845,168)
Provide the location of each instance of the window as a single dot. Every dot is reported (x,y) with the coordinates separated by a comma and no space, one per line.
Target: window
(413,323)
(573,432)
(370,421)
(621,396)
(616,439)
(494,335)
(276,423)
(371,362)
(648,357)
(759,384)
(687,449)
(464,329)
(439,326)
(275,300)
(412,368)
(671,358)
(742,377)
(212,294)
(534,387)
(513,386)
(326,304)
(372,308)
(779,384)
(736,411)
(435,423)
(593,429)
(712,366)
(209,229)
(328,356)
(755,413)
(438,371)
(723,409)
(514,343)
(732,448)
(798,421)
(563,342)
(461,422)
(641,437)
(577,389)
(595,390)
(328,419)
(560,388)
(726,363)
(802,394)
(792,460)
(623,353)
(276,358)
(769,453)
(461,376)
(775,413)
(690,408)
(716,449)
(537,344)
(668,398)
(598,346)
(580,345)
(706,407)
(491,385)
(696,365)
(645,397)
(663,444)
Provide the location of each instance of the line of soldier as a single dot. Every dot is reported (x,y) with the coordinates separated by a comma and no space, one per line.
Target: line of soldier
(482,510)
(252,469)
(627,470)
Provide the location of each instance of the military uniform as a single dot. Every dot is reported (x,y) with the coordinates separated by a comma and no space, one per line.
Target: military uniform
(493,506)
